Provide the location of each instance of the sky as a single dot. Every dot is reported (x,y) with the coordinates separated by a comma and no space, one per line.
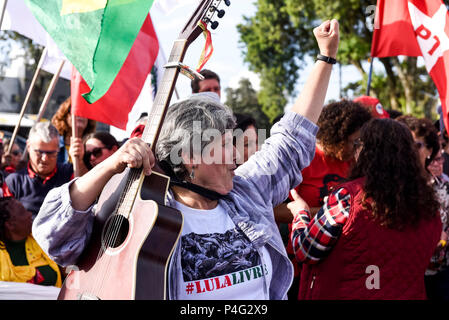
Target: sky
(227,59)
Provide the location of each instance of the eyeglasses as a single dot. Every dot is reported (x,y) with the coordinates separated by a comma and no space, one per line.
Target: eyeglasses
(50,154)
(357,143)
(96,152)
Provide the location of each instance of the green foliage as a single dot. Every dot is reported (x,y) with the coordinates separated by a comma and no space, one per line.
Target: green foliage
(244,100)
(31,52)
(274,49)
(278,38)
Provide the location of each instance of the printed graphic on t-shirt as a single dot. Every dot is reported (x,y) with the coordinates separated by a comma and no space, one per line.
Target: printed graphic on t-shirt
(209,255)
(218,260)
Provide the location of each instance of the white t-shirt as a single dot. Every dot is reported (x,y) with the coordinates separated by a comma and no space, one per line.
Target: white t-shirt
(218,261)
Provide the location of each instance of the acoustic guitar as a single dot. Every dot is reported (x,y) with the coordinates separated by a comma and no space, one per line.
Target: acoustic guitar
(134,233)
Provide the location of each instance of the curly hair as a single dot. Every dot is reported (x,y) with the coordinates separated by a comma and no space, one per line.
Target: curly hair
(59,120)
(395,181)
(423,128)
(337,122)
(4,216)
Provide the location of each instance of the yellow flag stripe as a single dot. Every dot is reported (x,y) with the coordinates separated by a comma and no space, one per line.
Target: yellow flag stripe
(80,6)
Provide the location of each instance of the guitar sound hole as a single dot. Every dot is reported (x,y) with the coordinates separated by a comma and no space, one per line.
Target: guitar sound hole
(115,232)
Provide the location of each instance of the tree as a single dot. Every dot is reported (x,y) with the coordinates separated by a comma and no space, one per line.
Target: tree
(244,100)
(31,52)
(273,50)
(277,57)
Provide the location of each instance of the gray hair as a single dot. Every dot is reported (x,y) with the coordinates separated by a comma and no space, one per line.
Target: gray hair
(43,130)
(184,126)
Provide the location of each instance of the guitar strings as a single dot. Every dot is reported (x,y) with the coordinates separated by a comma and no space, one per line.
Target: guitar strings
(115,225)
(109,237)
(132,179)
(105,242)
(112,231)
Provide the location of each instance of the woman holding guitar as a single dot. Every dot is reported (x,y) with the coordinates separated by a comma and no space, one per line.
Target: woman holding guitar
(230,247)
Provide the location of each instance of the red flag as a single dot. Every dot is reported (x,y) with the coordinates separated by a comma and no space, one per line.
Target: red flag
(113,108)
(393,31)
(416,28)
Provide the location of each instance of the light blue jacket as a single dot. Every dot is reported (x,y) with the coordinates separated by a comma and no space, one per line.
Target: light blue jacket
(259,185)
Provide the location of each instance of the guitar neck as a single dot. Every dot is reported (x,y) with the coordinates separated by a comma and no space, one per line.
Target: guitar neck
(153,124)
(189,33)
(164,94)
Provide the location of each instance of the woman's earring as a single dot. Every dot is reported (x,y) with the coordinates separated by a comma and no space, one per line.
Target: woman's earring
(192,174)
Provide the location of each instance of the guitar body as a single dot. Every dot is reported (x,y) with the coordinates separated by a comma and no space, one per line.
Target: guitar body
(134,266)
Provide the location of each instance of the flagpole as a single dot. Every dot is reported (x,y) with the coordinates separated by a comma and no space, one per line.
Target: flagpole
(49,92)
(27,98)
(339,81)
(75,133)
(46,100)
(368,87)
(2,14)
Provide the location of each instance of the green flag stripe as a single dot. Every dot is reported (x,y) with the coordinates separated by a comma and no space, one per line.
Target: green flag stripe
(122,21)
(96,42)
(75,34)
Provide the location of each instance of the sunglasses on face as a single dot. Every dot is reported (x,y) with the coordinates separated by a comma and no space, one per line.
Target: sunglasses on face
(357,143)
(96,152)
(50,154)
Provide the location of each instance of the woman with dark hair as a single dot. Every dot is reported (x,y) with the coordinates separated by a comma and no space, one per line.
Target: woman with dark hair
(98,147)
(12,162)
(425,135)
(428,144)
(339,126)
(437,274)
(62,120)
(21,258)
(375,234)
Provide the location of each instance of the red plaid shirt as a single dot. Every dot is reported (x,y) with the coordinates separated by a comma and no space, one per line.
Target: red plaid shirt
(313,240)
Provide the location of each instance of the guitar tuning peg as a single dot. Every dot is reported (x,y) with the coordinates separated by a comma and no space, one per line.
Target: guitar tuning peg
(220,13)
(227,2)
(214,25)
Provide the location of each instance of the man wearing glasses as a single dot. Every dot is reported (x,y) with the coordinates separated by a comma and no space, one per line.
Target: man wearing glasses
(31,184)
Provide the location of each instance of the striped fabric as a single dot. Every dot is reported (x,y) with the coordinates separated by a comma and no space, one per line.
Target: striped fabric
(313,238)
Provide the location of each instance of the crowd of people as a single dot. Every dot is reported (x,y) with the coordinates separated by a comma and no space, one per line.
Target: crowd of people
(342,201)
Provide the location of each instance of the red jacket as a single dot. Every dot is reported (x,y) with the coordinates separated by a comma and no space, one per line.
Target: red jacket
(370,261)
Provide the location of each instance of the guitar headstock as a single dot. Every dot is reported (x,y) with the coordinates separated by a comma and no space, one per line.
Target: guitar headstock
(205,13)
